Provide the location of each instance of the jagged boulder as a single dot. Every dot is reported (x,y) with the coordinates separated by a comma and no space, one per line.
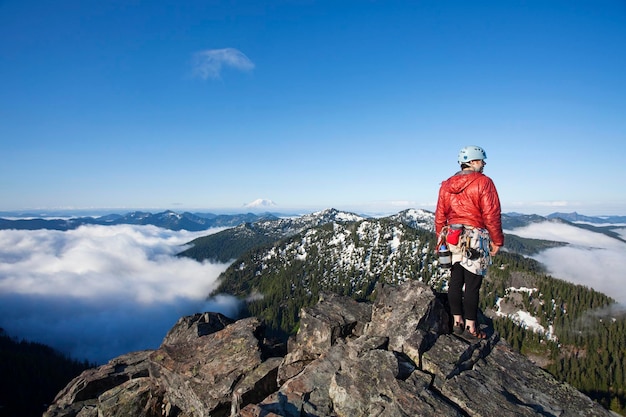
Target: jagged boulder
(190,328)
(121,384)
(333,318)
(392,357)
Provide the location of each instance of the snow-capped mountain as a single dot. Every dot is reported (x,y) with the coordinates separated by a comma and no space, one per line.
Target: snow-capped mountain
(346,257)
(260,203)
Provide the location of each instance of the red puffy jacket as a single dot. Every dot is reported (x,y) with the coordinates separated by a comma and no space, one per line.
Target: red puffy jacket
(470,198)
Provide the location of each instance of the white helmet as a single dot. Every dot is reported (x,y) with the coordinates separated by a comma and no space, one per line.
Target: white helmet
(471,153)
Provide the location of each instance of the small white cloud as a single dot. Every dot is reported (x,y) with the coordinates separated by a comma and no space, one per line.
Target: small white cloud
(553,203)
(402,203)
(209,63)
(532,205)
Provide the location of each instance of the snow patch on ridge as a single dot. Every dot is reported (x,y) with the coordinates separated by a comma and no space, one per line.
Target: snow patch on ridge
(523,318)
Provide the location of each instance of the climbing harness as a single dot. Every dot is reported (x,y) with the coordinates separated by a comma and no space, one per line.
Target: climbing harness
(468,245)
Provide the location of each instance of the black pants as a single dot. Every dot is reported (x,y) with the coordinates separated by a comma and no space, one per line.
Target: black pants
(464,304)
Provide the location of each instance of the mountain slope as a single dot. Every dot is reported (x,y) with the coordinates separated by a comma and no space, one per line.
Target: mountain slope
(345,258)
(230,244)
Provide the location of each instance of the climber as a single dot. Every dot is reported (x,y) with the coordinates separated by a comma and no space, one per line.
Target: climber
(468,220)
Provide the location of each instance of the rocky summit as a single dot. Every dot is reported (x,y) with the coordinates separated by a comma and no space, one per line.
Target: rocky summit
(395,356)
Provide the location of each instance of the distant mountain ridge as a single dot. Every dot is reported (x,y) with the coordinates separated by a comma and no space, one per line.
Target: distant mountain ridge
(167,219)
(271,225)
(600,224)
(576,217)
(201,221)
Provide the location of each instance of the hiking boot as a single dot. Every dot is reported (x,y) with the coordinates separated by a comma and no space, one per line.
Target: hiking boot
(476,335)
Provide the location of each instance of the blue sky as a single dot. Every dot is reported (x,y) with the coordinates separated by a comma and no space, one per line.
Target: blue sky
(357,105)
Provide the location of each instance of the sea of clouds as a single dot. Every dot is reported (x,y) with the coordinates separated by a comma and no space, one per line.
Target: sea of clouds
(591,259)
(100,291)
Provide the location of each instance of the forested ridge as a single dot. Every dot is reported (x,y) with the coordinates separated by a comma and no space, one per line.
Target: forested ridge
(293,272)
(226,245)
